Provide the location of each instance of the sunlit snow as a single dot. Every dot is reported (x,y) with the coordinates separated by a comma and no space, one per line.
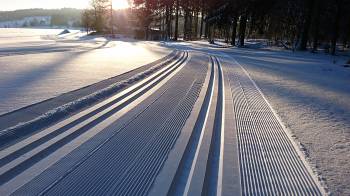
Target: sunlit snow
(37,65)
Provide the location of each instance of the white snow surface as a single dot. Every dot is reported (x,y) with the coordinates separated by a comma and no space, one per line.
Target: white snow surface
(37,64)
(311,94)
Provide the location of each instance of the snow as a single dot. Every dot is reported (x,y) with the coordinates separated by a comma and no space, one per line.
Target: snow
(53,114)
(309,92)
(36,64)
(311,95)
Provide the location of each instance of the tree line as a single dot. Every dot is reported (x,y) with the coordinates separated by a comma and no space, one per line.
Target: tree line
(296,24)
(59,17)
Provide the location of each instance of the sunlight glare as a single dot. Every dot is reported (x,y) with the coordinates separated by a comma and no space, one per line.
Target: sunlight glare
(120,4)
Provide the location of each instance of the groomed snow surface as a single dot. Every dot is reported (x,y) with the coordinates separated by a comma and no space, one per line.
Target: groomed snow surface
(311,95)
(36,64)
(213,120)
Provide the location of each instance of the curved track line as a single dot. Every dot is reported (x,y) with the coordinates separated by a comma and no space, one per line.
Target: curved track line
(270,162)
(81,116)
(222,131)
(202,164)
(24,177)
(128,164)
(200,141)
(168,174)
(182,179)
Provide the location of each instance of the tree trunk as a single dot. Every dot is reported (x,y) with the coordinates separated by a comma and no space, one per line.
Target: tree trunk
(234,30)
(209,32)
(202,24)
(163,25)
(227,33)
(190,26)
(242,29)
(336,27)
(206,29)
(185,23)
(168,21)
(177,20)
(306,26)
(316,25)
(171,22)
(196,24)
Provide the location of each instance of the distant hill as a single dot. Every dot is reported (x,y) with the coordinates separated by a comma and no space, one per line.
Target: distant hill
(59,17)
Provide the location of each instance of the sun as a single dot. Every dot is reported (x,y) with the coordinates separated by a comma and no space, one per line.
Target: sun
(120,4)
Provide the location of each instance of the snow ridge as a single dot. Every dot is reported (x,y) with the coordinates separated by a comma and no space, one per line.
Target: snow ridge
(69,108)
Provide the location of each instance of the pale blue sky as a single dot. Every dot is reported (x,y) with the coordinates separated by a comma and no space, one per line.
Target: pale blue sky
(24,4)
(6,5)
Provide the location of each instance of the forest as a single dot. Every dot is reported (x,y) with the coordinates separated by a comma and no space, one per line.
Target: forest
(59,17)
(295,24)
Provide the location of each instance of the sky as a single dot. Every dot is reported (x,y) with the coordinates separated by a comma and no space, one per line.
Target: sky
(7,5)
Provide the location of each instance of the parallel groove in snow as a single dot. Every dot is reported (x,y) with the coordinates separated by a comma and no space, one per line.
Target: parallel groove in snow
(201,166)
(183,174)
(213,178)
(12,152)
(149,163)
(34,152)
(128,153)
(269,163)
(21,130)
(167,174)
(122,171)
(28,161)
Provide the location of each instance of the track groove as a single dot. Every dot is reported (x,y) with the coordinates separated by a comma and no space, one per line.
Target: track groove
(127,158)
(22,155)
(188,129)
(12,152)
(163,65)
(200,171)
(11,169)
(269,162)
(182,179)
(214,175)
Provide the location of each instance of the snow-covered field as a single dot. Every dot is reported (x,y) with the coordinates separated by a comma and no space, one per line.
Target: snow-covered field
(36,64)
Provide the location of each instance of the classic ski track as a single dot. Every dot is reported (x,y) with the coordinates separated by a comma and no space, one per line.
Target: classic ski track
(213,133)
(24,153)
(88,113)
(269,161)
(214,171)
(133,169)
(199,169)
(166,178)
(17,132)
